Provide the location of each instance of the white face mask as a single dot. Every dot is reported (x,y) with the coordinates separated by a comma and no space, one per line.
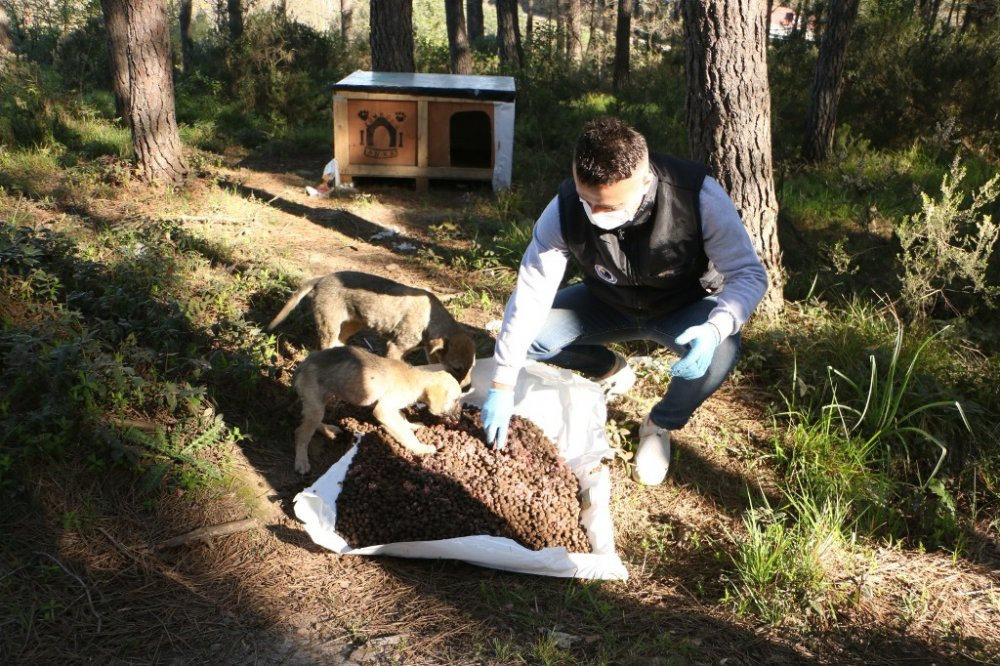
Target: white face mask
(609,220)
(613,219)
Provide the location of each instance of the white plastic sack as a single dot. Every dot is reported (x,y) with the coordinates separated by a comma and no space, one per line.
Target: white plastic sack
(571,411)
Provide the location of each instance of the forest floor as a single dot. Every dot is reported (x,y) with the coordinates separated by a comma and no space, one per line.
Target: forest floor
(269,595)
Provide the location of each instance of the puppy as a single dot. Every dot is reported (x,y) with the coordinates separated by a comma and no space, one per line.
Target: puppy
(348,301)
(361,378)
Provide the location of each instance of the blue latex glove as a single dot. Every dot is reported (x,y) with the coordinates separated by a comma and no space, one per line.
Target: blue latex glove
(702,341)
(497,410)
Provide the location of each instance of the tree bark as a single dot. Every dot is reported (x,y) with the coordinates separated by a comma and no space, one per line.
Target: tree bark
(116,24)
(458,39)
(235,9)
(574,47)
(729,118)
(346,20)
(828,81)
(187,44)
(138,33)
(391,37)
(474,17)
(529,23)
(6,38)
(623,44)
(509,35)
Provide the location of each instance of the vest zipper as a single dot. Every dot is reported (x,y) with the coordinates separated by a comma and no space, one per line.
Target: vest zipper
(626,265)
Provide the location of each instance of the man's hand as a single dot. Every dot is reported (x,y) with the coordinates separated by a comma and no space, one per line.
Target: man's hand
(702,341)
(497,410)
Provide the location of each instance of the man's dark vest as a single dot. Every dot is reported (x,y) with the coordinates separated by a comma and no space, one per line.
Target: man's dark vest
(654,264)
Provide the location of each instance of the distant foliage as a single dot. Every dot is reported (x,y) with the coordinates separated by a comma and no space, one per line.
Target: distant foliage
(946,248)
(281,69)
(901,79)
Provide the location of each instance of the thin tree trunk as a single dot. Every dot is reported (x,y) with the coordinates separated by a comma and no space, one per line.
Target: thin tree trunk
(529,10)
(391,37)
(574,47)
(592,27)
(346,20)
(187,44)
(623,44)
(235,9)
(474,19)
(116,23)
(951,11)
(148,69)
(828,81)
(458,40)
(729,118)
(509,35)
(560,15)
(6,37)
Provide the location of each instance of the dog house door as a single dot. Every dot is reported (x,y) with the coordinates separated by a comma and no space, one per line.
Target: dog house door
(460,135)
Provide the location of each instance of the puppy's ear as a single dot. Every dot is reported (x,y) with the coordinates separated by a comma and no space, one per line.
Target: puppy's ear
(435,349)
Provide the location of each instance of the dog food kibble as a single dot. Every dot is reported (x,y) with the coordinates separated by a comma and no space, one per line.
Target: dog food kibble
(525,492)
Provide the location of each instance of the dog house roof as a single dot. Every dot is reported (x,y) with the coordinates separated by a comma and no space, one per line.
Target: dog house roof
(463,86)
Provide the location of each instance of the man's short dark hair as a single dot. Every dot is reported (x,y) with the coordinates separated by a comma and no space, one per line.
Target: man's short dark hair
(608,151)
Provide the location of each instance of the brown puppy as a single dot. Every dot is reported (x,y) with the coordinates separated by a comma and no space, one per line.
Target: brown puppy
(347,301)
(361,378)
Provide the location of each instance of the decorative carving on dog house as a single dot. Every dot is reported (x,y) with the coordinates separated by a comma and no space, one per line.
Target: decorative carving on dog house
(424,126)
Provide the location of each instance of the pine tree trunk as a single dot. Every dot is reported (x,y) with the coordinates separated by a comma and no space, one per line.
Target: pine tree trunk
(235,9)
(391,37)
(729,118)
(828,81)
(574,47)
(558,7)
(509,35)
(623,43)
(144,47)
(152,114)
(346,20)
(6,38)
(116,24)
(474,18)
(458,39)
(529,23)
(187,44)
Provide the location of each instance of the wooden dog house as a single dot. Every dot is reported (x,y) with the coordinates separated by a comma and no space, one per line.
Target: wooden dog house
(424,126)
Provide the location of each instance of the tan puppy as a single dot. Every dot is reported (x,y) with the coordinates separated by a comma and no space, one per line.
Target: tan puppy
(361,378)
(348,301)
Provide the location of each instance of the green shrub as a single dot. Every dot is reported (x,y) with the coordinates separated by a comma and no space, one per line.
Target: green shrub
(27,109)
(281,70)
(946,248)
(94,357)
(901,79)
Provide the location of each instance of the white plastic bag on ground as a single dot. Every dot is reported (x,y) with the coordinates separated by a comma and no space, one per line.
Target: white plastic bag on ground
(571,411)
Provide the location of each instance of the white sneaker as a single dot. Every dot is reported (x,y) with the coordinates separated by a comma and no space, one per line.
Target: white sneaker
(619,379)
(652,459)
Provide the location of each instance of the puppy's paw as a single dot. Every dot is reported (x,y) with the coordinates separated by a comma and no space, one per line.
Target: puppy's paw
(302,464)
(331,431)
(422,449)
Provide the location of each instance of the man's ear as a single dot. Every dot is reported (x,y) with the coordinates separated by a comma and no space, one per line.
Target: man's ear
(435,347)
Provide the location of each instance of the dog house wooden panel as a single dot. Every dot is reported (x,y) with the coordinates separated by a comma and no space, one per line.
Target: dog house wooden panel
(424,126)
(460,134)
(382,132)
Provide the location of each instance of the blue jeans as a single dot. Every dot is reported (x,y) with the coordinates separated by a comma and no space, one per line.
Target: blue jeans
(579,325)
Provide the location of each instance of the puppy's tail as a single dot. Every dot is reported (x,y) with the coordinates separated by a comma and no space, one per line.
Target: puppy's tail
(302,292)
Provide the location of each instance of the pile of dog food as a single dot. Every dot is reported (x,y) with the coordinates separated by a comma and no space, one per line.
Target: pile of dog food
(525,492)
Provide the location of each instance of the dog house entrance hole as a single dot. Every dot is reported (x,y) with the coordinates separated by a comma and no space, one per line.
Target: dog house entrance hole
(471,142)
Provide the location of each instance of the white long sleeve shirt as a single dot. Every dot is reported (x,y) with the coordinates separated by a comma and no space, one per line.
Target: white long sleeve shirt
(543,265)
